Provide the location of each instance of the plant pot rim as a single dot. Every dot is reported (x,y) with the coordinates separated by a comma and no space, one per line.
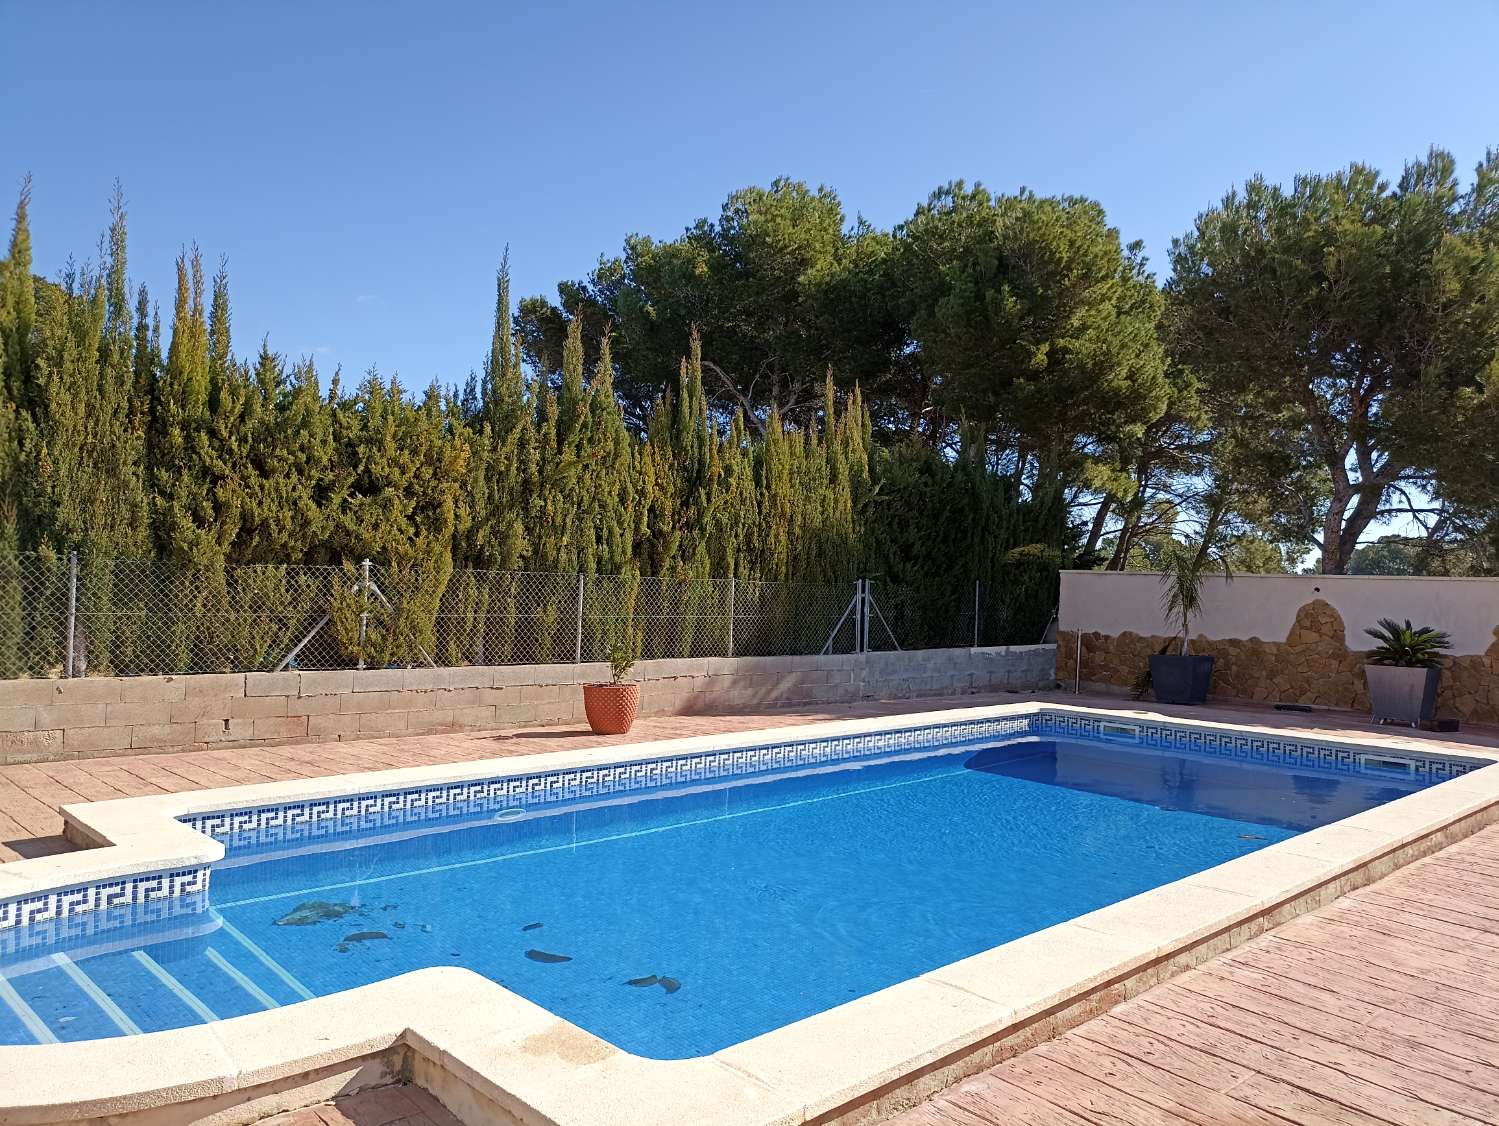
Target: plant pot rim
(612,684)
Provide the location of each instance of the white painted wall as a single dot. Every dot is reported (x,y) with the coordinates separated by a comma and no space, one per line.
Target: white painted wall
(1265,606)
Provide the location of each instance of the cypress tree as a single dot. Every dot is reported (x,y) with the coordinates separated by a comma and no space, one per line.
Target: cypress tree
(185,520)
(147,361)
(503,438)
(402,468)
(290,479)
(82,459)
(502,472)
(611,470)
(17,317)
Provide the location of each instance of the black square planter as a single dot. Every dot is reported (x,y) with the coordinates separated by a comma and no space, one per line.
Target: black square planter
(1180,680)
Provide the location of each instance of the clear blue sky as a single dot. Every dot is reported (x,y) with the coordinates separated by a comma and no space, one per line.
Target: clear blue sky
(362,165)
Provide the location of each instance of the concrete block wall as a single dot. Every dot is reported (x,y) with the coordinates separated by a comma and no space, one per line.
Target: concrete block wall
(47,720)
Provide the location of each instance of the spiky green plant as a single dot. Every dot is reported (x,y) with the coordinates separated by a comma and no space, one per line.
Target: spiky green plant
(1407,646)
(1183,567)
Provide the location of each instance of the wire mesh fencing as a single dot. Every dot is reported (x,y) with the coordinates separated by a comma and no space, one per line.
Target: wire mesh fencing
(76,616)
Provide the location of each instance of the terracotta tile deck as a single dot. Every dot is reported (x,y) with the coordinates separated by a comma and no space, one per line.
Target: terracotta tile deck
(1381,1008)
(31,793)
(380,1106)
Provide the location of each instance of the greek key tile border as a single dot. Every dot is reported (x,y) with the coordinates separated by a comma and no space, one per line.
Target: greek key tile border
(1243,746)
(295,822)
(69,931)
(270,826)
(128,891)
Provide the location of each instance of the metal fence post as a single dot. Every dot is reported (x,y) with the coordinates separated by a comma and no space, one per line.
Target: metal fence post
(364,613)
(975,613)
(731,615)
(72,607)
(863,616)
(578,635)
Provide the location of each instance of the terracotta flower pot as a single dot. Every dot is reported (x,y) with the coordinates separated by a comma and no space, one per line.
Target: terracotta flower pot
(611,708)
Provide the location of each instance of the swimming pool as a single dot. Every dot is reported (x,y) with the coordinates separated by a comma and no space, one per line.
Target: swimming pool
(675,907)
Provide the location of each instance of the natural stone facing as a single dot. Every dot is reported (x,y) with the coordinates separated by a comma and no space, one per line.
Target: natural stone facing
(61,718)
(1313,665)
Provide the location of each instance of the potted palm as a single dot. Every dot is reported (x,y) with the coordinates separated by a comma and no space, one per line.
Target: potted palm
(1404,670)
(611,707)
(1183,678)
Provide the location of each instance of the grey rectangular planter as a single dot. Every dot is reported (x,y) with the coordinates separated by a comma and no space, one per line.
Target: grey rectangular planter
(1402,695)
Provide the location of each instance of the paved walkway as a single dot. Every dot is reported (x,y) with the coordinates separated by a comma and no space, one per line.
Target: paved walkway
(31,793)
(1382,1007)
(380,1106)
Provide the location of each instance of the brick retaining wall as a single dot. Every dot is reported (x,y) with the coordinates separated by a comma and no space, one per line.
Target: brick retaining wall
(44,720)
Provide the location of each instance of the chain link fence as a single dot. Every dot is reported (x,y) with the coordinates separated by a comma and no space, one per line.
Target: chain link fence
(75,616)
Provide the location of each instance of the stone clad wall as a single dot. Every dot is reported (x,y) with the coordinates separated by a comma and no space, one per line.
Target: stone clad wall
(1312,665)
(42,720)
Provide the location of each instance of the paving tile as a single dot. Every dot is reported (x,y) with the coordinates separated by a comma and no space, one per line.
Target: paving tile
(1353,1014)
(1382,1007)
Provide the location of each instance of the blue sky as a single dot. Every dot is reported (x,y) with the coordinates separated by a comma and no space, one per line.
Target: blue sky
(362,165)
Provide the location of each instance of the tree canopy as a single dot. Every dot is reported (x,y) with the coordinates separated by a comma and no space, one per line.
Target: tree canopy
(1345,330)
(786,391)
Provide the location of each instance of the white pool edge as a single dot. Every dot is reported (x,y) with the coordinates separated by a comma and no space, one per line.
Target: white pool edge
(503,1058)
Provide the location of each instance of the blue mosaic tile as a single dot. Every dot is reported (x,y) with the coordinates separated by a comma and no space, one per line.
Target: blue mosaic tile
(128,891)
(60,931)
(298,822)
(1245,746)
(307,821)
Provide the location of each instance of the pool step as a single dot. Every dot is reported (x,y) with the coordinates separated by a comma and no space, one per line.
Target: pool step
(125,993)
(177,989)
(12,1002)
(96,995)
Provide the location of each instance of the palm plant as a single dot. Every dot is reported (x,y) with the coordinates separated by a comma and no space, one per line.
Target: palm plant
(1407,646)
(1183,567)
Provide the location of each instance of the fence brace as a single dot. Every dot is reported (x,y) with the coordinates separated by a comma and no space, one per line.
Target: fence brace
(870,605)
(855,608)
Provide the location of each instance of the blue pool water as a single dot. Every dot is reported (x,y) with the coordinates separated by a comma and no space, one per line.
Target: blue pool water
(677,923)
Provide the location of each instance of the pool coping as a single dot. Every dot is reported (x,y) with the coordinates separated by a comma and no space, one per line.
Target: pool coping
(478,1046)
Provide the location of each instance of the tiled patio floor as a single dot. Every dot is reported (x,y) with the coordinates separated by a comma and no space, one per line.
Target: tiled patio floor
(31,793)
(1381,1008)
(381,1106)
